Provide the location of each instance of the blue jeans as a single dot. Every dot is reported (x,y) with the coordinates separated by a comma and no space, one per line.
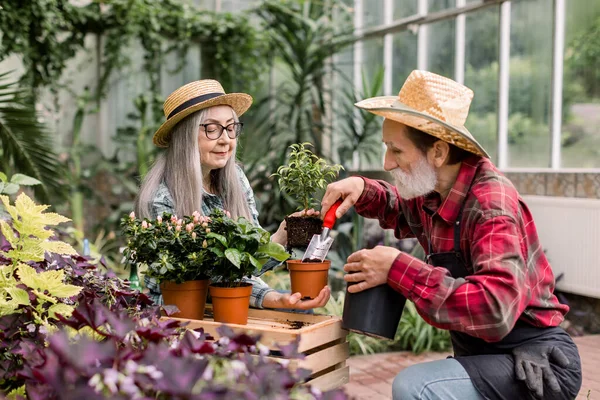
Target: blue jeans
(443,379)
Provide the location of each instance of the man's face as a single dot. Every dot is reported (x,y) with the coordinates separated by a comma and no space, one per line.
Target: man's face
(413,173)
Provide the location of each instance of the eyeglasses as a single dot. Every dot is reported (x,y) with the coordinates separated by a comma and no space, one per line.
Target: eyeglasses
(214,131)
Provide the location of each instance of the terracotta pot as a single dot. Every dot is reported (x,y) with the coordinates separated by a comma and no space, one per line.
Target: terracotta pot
(308,278)
(189,297)
(231,304)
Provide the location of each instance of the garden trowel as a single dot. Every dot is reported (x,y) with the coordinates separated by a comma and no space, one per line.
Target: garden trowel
(319,244)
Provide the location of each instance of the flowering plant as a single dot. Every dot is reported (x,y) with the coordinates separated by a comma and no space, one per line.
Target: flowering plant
(171,247)
(198,247)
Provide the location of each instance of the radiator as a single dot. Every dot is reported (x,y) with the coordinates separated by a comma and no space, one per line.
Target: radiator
(569,230)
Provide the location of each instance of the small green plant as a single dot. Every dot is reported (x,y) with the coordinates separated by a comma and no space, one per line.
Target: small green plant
(238,248)
(46,293)
(12,186)
(198,247)
(417,335)
(304,174)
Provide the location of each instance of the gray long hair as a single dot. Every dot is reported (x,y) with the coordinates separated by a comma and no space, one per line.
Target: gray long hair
(180,168)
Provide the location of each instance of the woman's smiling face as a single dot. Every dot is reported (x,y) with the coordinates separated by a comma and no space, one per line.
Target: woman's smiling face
(214,154)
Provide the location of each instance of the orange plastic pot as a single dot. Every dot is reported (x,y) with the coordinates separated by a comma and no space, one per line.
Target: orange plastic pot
(231,304)
(308,278)
(189,297)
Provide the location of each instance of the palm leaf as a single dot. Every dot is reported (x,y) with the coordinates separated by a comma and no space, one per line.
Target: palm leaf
(26,145)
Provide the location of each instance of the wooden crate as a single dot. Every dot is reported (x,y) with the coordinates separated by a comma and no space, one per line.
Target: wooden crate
(322,341)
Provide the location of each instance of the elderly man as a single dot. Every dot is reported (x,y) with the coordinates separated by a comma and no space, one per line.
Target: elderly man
(486,278)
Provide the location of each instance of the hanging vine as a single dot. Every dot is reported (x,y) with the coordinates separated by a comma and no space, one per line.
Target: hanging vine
(48,33)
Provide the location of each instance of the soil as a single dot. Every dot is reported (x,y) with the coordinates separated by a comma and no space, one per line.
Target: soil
(294,324)
(312,260)
(301,230)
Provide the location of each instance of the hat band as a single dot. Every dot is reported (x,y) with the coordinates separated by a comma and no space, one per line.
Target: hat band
(192,102)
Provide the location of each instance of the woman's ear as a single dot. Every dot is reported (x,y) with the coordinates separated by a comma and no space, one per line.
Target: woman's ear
(439,153)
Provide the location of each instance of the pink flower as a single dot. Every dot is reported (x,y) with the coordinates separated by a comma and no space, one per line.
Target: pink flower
(159,220)
(194,235)
(195,219)
(144,224)
(228,213)
(207,230)
(178,228)
(168,227)
(179,222)
(205,225)
(132,215)
(189,227)
(204,244)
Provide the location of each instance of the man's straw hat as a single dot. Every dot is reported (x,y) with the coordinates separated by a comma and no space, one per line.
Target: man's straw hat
(433,104)
(196,96)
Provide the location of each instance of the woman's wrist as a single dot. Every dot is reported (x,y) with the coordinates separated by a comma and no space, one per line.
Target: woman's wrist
(272,300)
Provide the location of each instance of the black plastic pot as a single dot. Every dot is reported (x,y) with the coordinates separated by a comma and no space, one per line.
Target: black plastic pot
(373,312)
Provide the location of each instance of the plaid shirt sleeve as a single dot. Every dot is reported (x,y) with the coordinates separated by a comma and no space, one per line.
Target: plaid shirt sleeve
(249,194)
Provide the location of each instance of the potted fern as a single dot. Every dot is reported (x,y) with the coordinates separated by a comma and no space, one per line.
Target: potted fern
(304,174)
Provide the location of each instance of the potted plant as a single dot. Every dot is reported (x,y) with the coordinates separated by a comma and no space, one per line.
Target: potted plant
(236,249)
(304,174)
(173,251)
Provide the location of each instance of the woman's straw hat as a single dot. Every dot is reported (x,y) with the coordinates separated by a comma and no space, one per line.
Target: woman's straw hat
(196,96)
(433,104)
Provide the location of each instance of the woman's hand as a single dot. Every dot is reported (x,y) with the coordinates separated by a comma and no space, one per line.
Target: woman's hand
(281,235)
(288,300)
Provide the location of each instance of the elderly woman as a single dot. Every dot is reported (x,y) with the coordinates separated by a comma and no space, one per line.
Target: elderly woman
(197,171)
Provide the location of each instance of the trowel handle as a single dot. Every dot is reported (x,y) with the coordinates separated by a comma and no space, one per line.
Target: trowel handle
(329,219)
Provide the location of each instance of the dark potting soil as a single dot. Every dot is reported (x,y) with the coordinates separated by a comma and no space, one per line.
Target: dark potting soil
(301,230)
(293,324)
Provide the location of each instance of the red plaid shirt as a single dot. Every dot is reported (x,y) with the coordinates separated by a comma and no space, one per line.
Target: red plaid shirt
(509,275)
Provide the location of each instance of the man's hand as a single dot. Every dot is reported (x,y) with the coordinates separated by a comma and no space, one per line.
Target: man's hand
(348,189)
(288,300)
(281,235)
(369,268)
(532,365)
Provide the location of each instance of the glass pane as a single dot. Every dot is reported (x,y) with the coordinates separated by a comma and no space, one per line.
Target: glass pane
(581,86)
(404,58)
(437,5)
(530,84)
(481,75)
(441,44)
(372,58)
(404,8)
(372,13)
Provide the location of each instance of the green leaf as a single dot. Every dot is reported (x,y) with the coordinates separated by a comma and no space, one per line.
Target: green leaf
(10,188)
(274,250)
(25,180)
(19,296)
(234,256)
(3,177)
(220,238)
(63,309)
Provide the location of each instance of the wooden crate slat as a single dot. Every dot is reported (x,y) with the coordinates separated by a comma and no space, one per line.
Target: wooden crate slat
(326,358)
(331,380)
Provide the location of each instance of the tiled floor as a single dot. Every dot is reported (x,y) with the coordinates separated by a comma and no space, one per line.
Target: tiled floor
(371,376)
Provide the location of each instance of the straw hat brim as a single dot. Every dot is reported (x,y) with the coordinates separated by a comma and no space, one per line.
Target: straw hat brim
(390,107)
(240,102)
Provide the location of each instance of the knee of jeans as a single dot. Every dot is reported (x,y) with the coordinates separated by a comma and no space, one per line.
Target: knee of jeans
(405,385)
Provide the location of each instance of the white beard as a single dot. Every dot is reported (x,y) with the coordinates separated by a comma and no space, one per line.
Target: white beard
(419,182)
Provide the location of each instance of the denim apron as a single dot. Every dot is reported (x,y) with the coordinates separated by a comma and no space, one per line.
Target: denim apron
(490,365)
